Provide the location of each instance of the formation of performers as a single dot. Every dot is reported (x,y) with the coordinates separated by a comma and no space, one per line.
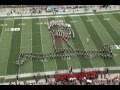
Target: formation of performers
(60,33)
(62,53)
(55,22)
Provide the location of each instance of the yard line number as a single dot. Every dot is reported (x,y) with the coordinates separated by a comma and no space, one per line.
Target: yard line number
(115,46)
(107,19)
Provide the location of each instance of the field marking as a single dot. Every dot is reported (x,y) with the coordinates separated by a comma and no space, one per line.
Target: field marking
(64,53)
(90,38)
(41,43)
(106,19)
(113,26)
(105,29)
(106,32)
(74,47)
(2,33)
(24,47)
(4,25)
(31,45)
(53,43)
(115,19)
(0,42)
(20,46)
(98,36)
(9,50)
(60,72)
(81,38)
(92,42)
(38,23)
(22,24)
(54,60)
(28,17)
(23,33)
(117,46)
(73,21)
(90,20)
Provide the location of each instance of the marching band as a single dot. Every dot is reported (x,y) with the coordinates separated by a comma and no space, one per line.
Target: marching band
(105,53)
(62,53)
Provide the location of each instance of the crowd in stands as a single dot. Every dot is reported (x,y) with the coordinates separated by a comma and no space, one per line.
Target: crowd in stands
(95,77)
(17,6)
(82,78)
(27,11)
(38,9)
(78,76)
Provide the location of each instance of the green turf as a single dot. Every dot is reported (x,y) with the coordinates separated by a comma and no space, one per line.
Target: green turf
(5,47)
(1,80)
(84,62)
(36,45)
(61,64)
(1,22)
(26,45)
(76,64)
(47,46)
(35,37)
(97,41)
(14,50)
(110,30)
(80,27)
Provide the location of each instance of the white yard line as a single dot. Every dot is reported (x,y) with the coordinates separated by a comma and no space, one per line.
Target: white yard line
(31,45)
(98,36)
(2,32)
(88,34)
(53,79)
(104,29)
(12,31)
(59,72)
(55,47)
(64,53)
(79,35)
(116,19)
(82,44)
(0,42)
(41,42)
(112,26)
(74,47)
(20,46)
(65,15)
(23,47)
(9,51)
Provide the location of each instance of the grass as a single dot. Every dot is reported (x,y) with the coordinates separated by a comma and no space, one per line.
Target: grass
(36,38)
(1,80)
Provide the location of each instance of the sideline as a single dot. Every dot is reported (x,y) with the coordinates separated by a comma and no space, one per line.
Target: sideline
(59,72)
(62,15)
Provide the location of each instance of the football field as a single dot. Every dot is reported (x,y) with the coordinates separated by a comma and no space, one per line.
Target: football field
(34,37)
